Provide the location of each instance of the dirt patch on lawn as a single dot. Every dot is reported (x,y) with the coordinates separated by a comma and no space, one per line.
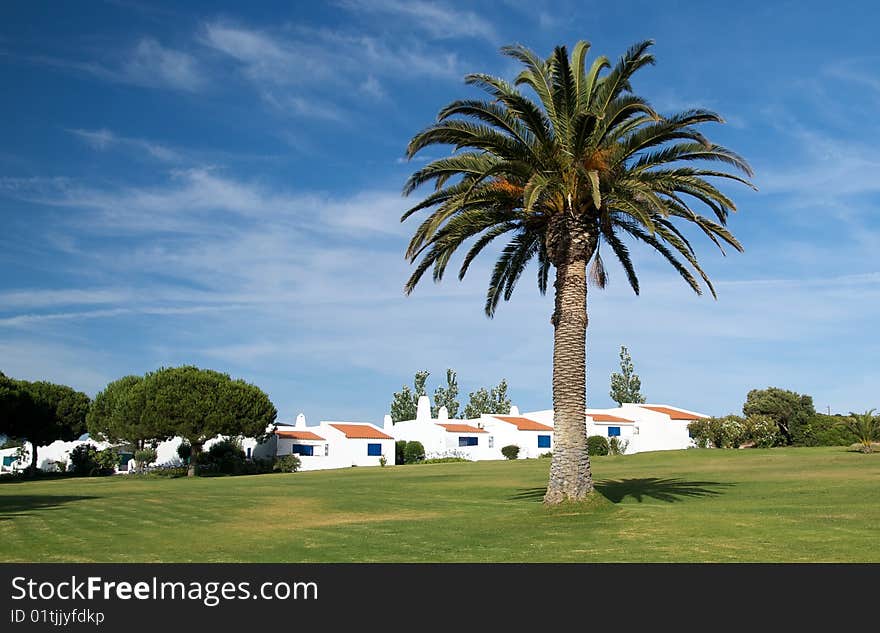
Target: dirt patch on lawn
(310,513)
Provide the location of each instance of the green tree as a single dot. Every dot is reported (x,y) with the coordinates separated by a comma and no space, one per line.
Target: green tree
(199,404)
(41,412)
(404,403)
(865,427)
(491,402)
(116,414)
(626,386)
(586,166)
(447,396)
(791,411)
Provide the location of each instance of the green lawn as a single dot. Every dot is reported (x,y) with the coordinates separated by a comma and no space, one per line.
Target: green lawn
(802,504)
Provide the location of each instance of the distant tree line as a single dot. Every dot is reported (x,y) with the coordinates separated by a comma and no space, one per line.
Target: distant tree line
(780,417)
(139,411)
(404,403)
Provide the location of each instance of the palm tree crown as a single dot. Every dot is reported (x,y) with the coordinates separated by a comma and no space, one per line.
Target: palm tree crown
(588,164)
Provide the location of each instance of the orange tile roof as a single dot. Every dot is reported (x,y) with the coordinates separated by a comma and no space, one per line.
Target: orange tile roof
(361,431)
(299,435)
(524,424)
(461,428)
(605,417)
(675,414)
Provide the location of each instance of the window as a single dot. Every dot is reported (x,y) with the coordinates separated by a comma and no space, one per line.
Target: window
(613,431)
(468,441)
(543,441)
(374,450)
(8,460)
(248,453)
(491,441)
(326,450)
(302,449)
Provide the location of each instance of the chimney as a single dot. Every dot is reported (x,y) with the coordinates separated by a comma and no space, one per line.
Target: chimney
(423,412)
(443,415)
(300,422)
(387,423)
(514,410)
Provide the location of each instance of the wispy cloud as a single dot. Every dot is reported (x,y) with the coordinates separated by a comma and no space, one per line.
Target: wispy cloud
(436,19)
(104,139)
(148,64)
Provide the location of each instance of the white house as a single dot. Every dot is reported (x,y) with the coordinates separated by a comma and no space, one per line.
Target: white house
(534,438)
(53,457)
(335,444)
(644,427)
(443,437)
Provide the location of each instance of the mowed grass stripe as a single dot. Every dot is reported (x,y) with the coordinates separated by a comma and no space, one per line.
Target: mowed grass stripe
(799,504)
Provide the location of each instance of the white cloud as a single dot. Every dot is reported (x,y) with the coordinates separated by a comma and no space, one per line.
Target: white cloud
(104,139)
(438,20)
(153,64)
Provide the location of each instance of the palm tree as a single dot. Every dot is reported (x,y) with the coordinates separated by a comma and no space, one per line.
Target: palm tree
(586,166)
(865,427)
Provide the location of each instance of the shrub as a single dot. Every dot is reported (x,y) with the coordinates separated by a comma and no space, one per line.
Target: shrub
(287,464)
(597,445)
(87,461)
(413,452)
(144,458)
(865,427)
(617,446)
(547,455)
(107,461)
(827,430)
(400,452)
(184,451)
(444,460)
(511,451)
(699,432)
(762,431)
(382,461)
(224,457)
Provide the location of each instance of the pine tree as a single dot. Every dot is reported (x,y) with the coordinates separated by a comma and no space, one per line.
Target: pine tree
(447,396)
(404,403)
(626,386)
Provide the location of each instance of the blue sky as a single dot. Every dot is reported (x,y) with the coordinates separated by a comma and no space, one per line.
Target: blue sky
(220,185)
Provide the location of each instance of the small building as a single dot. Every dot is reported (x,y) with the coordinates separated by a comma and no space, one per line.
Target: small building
(533,437)
(442,437)
(641,427)
(335,444)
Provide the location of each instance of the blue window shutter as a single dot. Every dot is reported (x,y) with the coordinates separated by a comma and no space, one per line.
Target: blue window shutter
(374,450)
(613,431)
(543,441)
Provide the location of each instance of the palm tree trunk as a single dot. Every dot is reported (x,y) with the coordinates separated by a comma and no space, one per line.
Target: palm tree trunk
(570,477)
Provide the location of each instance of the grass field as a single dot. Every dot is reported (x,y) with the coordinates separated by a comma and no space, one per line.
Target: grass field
(799,504)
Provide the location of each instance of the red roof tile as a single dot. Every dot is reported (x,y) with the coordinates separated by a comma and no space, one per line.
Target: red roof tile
(675,414)
(605,417)
(524,424)
(299,435)
(361,431)
(462,428)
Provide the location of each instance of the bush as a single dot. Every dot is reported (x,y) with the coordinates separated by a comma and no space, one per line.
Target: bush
(762,431)
(444,460)
(172,471)
(383,461)
(511,451)
(144,458)
(617,446)
(826,430)
(287,464)
(184,451)
(400,452)
(87,461)
(224,457)
(413,452)
(597,445)
(547,455)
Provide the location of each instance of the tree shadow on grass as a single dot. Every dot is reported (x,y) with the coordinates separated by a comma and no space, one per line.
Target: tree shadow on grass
(12,506)
(616,490)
